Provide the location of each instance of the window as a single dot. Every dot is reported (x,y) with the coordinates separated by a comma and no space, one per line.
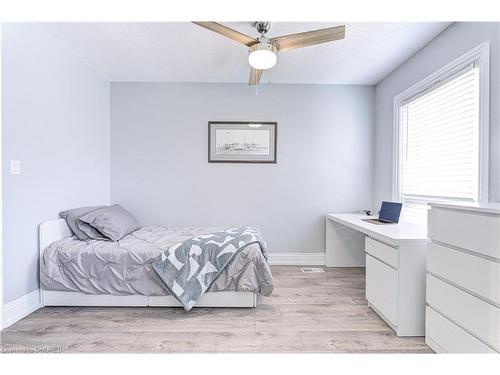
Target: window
(442,136)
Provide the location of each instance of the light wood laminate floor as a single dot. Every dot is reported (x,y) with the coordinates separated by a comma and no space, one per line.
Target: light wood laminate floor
(323,312)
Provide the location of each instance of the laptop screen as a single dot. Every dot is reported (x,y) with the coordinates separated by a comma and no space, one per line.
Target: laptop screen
(389,212)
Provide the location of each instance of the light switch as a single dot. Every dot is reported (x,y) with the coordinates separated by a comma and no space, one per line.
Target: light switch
(15,167)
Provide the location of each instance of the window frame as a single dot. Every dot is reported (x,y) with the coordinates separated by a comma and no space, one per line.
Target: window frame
(481,55)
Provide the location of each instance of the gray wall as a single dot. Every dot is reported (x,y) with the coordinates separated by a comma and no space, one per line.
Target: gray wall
(159,163)
(450,44)
(55,119)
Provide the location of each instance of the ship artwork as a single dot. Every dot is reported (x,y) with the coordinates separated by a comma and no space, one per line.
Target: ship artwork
(242,142)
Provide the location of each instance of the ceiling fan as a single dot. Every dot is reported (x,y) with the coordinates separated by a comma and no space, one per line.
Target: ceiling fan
(263,51)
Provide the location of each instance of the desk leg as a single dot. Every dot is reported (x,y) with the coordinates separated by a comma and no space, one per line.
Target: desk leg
(345,247)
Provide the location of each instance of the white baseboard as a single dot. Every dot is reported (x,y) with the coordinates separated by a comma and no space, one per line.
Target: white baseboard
(20,307)
(297,259)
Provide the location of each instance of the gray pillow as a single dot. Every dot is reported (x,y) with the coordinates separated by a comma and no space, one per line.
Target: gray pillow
(113,222)
(72,215)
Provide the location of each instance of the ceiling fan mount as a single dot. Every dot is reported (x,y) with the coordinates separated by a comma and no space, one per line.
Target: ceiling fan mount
(263,51)
(262,27)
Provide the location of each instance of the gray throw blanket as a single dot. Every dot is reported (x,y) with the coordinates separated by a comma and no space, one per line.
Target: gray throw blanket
(188,268)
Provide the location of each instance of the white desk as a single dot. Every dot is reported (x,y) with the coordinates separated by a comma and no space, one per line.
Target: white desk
(394,256)
(345,237)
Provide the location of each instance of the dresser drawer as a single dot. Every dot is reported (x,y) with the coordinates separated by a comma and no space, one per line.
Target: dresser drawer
(477,316)
(473,273)
(385,253)
(382,288)
(475,231)
(450,337)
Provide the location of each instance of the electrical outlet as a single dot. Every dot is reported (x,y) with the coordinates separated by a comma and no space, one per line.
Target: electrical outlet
(15,167)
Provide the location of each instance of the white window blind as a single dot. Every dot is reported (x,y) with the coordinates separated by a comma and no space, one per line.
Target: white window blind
(440,141)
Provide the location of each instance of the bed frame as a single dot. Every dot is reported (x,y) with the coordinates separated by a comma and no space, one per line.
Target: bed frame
(53,230)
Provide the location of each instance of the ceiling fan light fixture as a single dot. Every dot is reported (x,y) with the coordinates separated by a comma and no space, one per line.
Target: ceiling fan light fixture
(262,56)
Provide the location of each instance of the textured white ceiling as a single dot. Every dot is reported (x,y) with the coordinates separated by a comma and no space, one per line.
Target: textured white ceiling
(184,52)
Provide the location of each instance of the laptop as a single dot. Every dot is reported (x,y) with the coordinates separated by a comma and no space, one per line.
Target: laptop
(389,214)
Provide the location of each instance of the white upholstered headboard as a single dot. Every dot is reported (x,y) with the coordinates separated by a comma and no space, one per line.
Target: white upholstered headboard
(50,231)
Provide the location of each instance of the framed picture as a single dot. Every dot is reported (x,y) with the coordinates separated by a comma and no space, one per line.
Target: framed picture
(242,142)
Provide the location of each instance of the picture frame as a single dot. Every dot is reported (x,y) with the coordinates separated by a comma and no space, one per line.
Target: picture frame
(242,142)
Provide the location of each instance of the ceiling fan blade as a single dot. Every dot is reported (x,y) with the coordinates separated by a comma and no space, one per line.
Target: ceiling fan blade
(255,75)
(308,38)
(228,32)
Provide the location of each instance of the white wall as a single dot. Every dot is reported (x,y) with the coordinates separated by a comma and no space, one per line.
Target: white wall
(450,44)
(159,157)
(55,119)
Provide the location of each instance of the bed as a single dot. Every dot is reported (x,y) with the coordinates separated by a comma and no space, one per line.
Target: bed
(105,273)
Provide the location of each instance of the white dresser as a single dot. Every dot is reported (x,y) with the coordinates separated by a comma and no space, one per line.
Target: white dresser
(463,278)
